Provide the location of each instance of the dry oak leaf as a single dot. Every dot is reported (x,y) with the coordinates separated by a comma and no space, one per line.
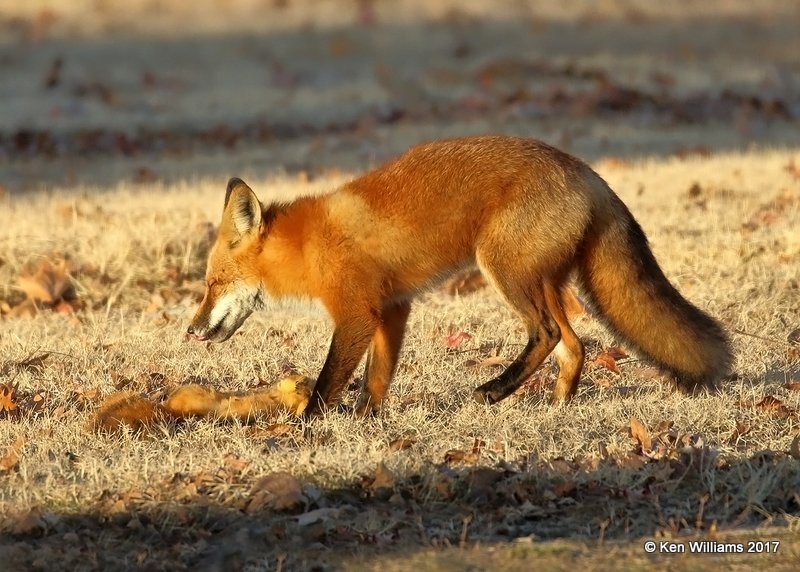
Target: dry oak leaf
(8,398)
(452,341)
(48,283)
(608,358)
(9,461)
(460,456)
(741,430)
(276,491)
(33,363)
(402,443)
(34,522)
(770,404)
(640,432)
(384,478)
(234,463)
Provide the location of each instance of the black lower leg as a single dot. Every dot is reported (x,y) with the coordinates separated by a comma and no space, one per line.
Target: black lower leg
(507,382)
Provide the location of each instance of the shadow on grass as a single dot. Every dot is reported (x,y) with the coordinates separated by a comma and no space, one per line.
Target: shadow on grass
(147,109)
(224,525)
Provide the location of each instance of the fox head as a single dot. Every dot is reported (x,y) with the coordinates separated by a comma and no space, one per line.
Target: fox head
(233,285)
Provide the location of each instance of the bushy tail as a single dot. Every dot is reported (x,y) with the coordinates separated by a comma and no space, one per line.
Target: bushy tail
(624,282)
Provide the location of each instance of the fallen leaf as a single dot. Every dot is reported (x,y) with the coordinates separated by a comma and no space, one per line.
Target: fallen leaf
(770,404)
(460,456)
(32,523)
(36,402)
(48,283)
(10,460)
(607,360)
(234,463)
(120,381)
(276,491)
(641,434)
(8,398)
(564,488)
(793,169)
(664,425)
(792,385)
(452,341)
(536,383)
(794,448)
(274,430)
(741,430)
(33,364)
(402,443)
(481,482)
(384,478)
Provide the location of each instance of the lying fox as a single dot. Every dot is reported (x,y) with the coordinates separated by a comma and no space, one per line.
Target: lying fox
(527,214)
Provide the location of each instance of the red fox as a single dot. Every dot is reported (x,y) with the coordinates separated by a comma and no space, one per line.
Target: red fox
(527,214)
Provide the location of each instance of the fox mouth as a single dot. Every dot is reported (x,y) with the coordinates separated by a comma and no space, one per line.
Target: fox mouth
(224,319)
(207,335)
(221,330)
(212,334)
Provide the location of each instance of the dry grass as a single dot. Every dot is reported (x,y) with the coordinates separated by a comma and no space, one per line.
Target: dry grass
(133,248)
(468,479)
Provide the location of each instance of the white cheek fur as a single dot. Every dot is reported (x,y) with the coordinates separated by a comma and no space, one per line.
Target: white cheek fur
(295,305)
(221,309)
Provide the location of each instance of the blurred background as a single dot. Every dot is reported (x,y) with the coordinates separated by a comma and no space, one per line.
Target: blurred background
(97,92)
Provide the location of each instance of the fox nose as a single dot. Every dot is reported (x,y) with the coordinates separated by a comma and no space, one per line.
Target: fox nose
(191,333)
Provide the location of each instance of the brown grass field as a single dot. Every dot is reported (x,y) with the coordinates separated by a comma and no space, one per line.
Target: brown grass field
(112,172)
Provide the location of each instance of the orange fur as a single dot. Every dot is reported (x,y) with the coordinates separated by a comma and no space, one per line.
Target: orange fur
(527,214)
(140,413)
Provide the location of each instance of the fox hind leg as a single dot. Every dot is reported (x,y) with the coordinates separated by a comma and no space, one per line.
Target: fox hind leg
(568,353)
(527,297)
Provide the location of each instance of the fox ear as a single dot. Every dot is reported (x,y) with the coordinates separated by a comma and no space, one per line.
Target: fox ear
(242,207)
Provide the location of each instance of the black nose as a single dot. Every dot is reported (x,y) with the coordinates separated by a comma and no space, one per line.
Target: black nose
(190,330)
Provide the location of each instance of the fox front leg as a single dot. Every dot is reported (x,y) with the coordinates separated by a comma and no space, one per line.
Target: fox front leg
(382,357)
(350,340)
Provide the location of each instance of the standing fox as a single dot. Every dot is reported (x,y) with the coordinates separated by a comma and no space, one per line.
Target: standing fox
(527,214)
